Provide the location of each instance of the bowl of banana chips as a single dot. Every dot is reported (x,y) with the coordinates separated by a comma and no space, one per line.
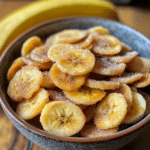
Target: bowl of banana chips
(77,82)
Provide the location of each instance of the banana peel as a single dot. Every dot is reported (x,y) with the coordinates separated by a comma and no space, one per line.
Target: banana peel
(36,12)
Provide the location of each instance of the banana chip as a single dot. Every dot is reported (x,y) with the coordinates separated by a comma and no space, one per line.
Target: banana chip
(147,99)
(90,130)
(47,82)
(76,62)
(125,47)
(103,84)
(65,81)
(99,29)
(127,78)
(104,66)
(85,95)
(50,39)
(123,57)
(143,82)
(28,61)
(111,111)
(84,43)
(137,110)
(57,50)
(25,82)
(16,66)
(62,118)
(58,95)
(30,44)
(89,112)
(127,93)
(133,89)
(139,64)
(39,54)
(29,108)
(70,36)
(106,45)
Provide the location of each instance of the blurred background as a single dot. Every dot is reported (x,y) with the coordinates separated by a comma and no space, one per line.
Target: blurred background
(133,13)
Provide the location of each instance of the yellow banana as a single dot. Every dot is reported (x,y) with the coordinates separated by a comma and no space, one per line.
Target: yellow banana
(24,18)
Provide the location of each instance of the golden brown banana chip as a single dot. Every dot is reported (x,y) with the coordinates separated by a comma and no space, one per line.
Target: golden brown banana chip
(139,64)
(29,108)
(126,91)
(76,62)
(123,57)
(90,47)
(127,78)
(30,44)
(84,43)
(16,66)
(125,47)
(89,112)
(25,82)
(99,29)
(104,66)
(103,84)
(58,95)
(111,111)
(133,89)
(147,99)
(65,81)
(137,110)
(51,39)
(57,50)
(90,130)
(143,82)
(85,95)
(70,36)
(27,60)
(106,45)
(62,118)
(39,54)
(47,82)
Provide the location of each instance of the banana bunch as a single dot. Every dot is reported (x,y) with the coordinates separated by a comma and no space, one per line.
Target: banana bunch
(37,12)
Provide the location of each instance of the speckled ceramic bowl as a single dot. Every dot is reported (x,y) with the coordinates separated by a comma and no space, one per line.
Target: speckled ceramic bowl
(53,142)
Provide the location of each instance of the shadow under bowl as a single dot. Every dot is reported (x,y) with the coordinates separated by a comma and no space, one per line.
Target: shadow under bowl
(134,39)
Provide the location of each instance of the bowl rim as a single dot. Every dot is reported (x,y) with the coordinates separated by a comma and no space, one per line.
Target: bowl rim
(10,112)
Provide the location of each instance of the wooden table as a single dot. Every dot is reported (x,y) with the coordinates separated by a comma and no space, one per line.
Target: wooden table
(11,139)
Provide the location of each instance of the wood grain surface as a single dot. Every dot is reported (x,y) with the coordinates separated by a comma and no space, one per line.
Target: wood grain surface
(136,17)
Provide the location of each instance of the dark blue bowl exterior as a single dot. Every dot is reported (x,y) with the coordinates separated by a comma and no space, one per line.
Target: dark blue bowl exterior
(127,35)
